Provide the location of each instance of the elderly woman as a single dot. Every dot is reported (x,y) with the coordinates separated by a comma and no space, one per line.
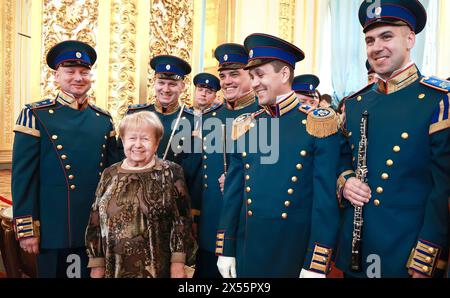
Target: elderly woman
(140,222)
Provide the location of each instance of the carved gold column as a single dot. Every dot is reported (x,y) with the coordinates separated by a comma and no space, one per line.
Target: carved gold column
(7,33)
(122,82)
(63,20)
(171,32)
(287,20)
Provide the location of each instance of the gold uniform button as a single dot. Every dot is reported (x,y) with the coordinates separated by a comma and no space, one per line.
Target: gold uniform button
(20,234)
(431,250)
(205,185)
(249,201)
(102,155)
(252,124)
(304,121)
(299,166)
(353,146)
(303,153)
(205,157)
(385,176)
(425,269)
(183,118)
(287,203)
(244,154)
(98,115)
(20,228)
(350,133)
(359,98)
(290,191)
(104,146)
(284,215)
(250,213)
(214,114)
(405,135)
(294,179)
(247,177)
(101,164)
(247,189)
(68,167)
(428,260)
(71,177)
(54,137)
(72,186)
(389,162)
(51,111)
(99,173)
(205,166)
(20,221)
(206,176)
(63,156)
(376,202)
(105,137)
(396,149)
(247,166)
(421,96)
(379,189)
(204,148)
(59,147)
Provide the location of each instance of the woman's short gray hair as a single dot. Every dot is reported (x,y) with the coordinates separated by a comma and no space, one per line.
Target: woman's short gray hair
(141,119)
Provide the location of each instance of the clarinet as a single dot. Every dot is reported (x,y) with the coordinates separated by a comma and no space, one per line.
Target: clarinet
(361,174)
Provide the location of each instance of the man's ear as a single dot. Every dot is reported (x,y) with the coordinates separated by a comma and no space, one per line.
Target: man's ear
(285,74)
(183,86)
(411,39)
(57,75)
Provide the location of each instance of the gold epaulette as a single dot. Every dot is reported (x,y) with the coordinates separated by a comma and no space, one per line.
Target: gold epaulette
(322,122)
(241,125)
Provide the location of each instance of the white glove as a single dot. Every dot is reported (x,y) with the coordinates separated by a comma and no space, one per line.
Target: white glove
(310,274)
(227,266)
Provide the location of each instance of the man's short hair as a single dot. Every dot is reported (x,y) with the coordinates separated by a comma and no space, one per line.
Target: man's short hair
(278,65)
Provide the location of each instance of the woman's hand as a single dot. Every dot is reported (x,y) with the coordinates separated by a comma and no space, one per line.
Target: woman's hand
(177,270)
(98,272)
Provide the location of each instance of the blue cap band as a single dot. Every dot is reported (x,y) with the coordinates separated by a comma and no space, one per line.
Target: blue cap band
(233,58)
(303,87)
(395,12)
(169,68)
(73,56)
(271,53)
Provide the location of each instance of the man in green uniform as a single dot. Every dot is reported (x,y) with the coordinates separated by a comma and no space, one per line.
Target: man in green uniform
(405,213)
(279,212)
(239,98)
(61,147)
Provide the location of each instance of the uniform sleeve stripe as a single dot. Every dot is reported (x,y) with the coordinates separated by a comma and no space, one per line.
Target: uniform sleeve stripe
(446,104)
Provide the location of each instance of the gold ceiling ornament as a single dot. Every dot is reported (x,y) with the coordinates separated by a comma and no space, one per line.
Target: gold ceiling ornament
(286,20)
(64,20)
(122,81)
(171,33)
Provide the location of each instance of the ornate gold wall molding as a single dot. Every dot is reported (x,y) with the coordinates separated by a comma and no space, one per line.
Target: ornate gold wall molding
(122,58)
(63,20)
(286,20)
(7,40)
(171,32)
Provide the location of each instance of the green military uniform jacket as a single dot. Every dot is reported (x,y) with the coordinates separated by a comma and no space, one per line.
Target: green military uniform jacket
(406,220)
(59,154)
(280,217)
(207,210)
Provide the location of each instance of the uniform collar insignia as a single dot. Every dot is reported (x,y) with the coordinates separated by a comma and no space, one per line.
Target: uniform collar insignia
(283,106)
(242,102)
(68,100)
(399,80)
(170,109)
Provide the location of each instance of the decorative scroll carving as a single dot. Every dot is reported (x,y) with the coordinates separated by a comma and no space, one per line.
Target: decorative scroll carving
(122,59)
(287,20)
(8,75)
(63,20)
(171,33)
